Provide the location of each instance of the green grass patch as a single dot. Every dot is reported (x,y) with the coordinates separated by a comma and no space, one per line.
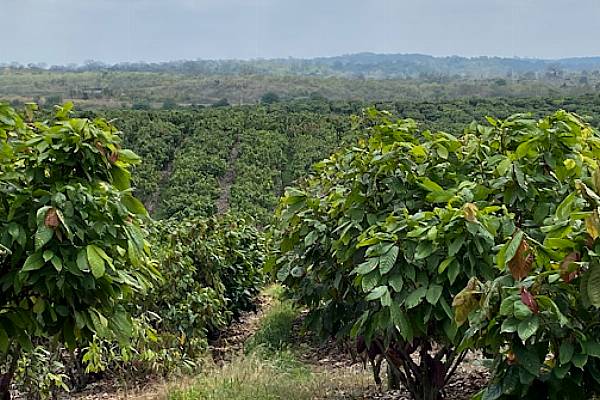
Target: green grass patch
(276,329)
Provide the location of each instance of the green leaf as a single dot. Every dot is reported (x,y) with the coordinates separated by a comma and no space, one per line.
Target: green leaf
(42,236)
(453,271)
(529,360)
(82,262)
(492,392)
(387,261)
(593,285)
(592,348)
(121,325)
(47,255)
(521,311)
(566,207)
(396,282)
(377,293)
(456,245)
(121,177)
(430,185)
(424,249)
(57,263)
(311,238)
(509,325)
(367,266)
(507,306)
(33,262)
(415,297)
(565,352)
(444,264)
(134,205)
(401,321)
(528,327)
(512,246)
(442,151)
(370,280)
(579,360)
(95,260)
(433,294)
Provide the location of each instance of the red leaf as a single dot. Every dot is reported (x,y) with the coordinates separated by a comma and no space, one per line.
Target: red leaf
(528,299)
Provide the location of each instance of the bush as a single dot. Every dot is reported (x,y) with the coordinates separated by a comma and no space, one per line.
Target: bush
(539,319)
(72,241)
(379,240)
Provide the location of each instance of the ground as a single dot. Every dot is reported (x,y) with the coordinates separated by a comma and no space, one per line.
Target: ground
(268,355)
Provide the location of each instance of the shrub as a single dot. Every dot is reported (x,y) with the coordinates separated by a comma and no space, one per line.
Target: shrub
(539,318)
(379,240)
(72,242)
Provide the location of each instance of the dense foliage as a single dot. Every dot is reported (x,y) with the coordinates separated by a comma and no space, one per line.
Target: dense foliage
(379,240)
(214,272)
(539,319)
(188,153)
(72,240)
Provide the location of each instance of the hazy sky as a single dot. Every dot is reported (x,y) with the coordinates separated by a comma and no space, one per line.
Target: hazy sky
(63,31)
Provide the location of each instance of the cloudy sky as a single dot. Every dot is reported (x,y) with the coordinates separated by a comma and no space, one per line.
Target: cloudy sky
(64,31)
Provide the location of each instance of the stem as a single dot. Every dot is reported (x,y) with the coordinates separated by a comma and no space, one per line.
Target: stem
(6,378)
(454,363)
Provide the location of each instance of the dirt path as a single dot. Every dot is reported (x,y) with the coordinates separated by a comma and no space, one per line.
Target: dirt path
(227,180)
(154,200)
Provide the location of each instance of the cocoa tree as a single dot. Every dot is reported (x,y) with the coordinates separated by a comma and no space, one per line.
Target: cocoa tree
(72,240)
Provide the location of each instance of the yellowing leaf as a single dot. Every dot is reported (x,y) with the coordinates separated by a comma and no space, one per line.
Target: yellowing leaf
(592,225)
(470,212)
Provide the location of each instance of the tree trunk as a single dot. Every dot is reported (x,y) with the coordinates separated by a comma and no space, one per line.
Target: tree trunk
(6,378)
(392,378)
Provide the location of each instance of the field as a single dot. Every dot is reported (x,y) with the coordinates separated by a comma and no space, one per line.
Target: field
(155,240)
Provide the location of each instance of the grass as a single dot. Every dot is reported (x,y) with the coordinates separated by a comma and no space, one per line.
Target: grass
(269,369)
(280,377)
(253,377)
(276,329)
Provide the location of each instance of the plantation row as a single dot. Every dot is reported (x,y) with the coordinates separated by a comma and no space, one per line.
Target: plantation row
(187,152)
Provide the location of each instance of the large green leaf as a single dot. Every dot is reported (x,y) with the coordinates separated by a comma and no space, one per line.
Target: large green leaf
(33,262)
(387,261)
(433,293)
(95,260)
(42,236)
(415,297)
(528,327)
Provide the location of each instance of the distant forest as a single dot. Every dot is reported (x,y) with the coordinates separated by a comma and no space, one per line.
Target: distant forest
(362,65)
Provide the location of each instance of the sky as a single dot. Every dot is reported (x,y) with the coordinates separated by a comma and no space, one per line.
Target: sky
(73,31)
